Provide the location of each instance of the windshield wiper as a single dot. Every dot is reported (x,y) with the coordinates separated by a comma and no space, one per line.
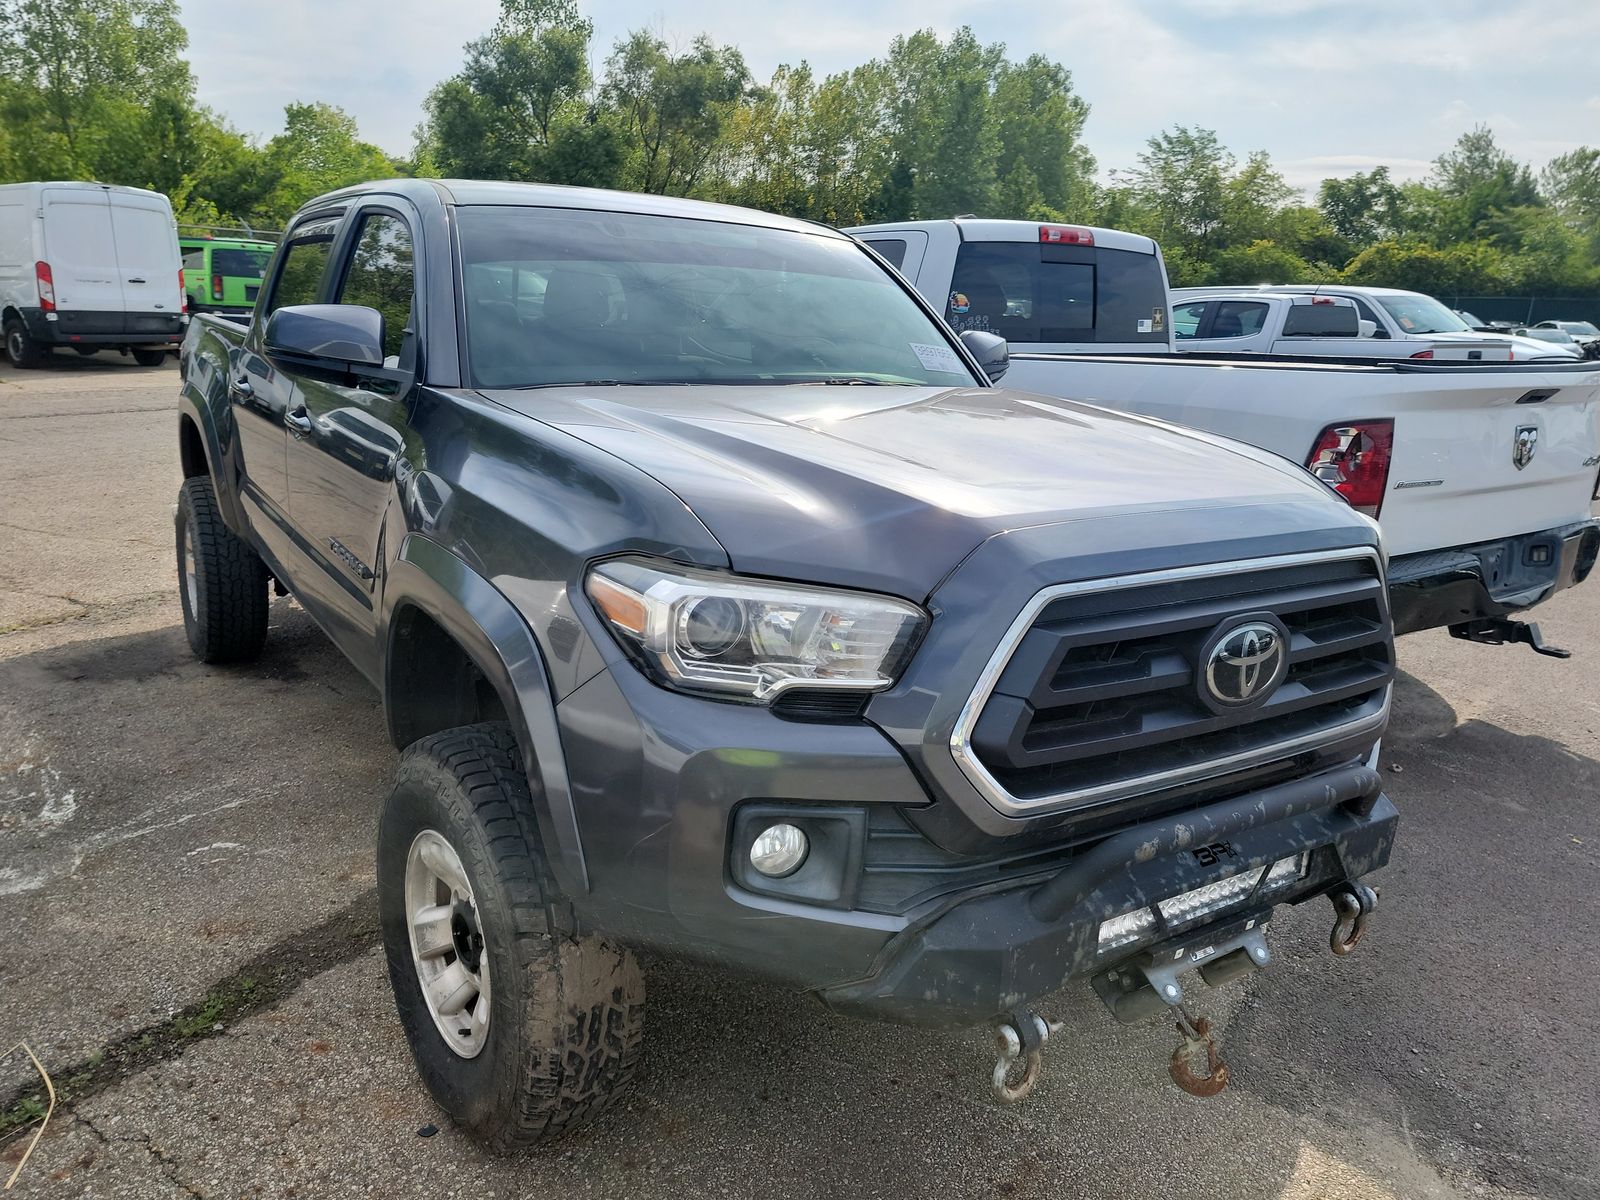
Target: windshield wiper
(572,383)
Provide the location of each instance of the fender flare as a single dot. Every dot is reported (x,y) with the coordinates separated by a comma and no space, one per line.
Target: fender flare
(195,411)
(498,640)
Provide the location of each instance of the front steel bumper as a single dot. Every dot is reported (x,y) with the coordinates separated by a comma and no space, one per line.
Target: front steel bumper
(1490,579)
(976,956)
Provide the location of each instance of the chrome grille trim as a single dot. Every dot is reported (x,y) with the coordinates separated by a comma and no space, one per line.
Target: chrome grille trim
(1006,803)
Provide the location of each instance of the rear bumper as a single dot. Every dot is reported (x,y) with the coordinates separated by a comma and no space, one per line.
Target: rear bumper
(980,955)
(74,327)
(1490,579)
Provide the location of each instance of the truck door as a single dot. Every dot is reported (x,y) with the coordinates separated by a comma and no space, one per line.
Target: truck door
(81,250)
(347,435)
(261,396)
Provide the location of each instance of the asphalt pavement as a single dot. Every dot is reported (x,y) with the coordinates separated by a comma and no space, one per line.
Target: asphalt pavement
(186,901)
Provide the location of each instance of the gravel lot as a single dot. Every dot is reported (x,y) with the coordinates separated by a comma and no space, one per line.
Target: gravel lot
(186,901)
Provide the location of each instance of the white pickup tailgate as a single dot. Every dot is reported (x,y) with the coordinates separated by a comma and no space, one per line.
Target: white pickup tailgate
(1453,479)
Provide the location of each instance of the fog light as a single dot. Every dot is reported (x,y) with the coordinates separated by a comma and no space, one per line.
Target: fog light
(779,850)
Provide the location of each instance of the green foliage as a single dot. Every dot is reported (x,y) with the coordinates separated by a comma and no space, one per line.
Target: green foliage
(937,125)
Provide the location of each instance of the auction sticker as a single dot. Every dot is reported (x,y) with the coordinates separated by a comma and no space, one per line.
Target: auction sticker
(938,358)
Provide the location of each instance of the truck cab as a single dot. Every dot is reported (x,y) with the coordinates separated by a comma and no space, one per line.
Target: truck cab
(1058,289)
(1228,323)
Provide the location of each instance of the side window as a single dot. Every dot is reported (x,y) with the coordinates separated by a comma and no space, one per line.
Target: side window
(1238,318)
(382,275)
(894,249)
(1367,314)
(1186,319)
(305,259)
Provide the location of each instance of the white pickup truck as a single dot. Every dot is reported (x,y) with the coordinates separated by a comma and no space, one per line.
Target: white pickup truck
(1482,475)
(1404,324)
(1249,321)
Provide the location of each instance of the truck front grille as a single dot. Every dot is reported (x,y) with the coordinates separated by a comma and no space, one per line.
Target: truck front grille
(1099,694)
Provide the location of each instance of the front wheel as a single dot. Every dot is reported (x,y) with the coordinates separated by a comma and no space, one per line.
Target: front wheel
(520,1028)
(21,349)
(222,582)
(149,358)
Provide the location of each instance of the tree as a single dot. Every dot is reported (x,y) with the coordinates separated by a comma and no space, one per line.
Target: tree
(1362,207)
(519,108)
(1571,182)
(1181,184)
(1043,169)
(319,150)
(674,108)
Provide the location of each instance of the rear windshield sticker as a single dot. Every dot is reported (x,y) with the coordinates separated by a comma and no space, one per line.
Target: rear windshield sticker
(959,302)
(938,358)
(1160,320)
(1144,326)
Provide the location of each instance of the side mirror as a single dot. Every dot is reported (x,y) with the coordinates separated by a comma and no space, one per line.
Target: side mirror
(1366,329)
(331,336)
(991,351)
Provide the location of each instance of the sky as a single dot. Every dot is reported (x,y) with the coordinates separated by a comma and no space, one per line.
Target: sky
(1326,87)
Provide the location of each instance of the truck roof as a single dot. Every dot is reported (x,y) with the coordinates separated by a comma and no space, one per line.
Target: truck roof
(1300,288)
(552,195)
(981,229)
(82,184)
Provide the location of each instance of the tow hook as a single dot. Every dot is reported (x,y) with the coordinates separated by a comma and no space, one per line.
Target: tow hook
(1021,1034)
(1498,631)
(1196,1034)
(1353,906)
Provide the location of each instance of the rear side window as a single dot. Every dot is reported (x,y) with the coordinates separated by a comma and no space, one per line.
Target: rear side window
(382,276)
(305,261)
(245,264)
(893,249)
(1031,292)
(1321,320)
(1238,318)
(1186,320)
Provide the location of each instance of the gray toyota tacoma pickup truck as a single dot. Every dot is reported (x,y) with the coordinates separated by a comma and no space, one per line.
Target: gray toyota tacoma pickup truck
(722,606)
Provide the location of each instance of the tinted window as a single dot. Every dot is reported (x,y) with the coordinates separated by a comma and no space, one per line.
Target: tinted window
(247,264)
(382,276)
(1186,319)
(571,295)
(1029,292)
(305,258)
(1321,320)
(1238,318)
(894,249)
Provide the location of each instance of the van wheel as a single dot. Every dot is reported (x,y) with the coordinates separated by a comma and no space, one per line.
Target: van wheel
(21,349)
(149,358)
(521,1028)
(222,582)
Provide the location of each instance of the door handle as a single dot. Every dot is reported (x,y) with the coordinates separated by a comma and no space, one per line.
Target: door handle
(297,420)
(241,387)
(135,281)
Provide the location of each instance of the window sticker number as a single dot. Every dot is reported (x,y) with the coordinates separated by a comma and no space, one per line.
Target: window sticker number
(938,358)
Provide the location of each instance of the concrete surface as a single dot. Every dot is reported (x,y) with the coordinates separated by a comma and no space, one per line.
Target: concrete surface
(178,842)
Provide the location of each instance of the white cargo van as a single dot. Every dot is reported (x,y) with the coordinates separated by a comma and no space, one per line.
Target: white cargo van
(90,266)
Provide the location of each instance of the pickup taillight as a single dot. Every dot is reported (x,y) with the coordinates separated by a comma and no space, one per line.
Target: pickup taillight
(47,286)
(216,287)
(1423,354)
(1353,459)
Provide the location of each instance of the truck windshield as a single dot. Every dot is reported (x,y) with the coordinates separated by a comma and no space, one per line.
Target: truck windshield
(1422,314)
(562,296)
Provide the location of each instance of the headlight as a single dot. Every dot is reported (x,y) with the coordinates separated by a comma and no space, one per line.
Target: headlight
(712,632)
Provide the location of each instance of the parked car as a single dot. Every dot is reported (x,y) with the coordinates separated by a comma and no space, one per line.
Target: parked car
(1482,475)
(223,275)
(723,607)
(89,266)
(1583,333)
(1223,321)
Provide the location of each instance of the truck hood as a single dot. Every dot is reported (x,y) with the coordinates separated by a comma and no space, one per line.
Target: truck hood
(890,488)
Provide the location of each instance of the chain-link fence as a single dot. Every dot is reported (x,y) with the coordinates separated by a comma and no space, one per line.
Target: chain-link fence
(1526,310)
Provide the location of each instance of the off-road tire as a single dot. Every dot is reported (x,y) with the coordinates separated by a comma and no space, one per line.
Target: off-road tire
(566,1017)
(149,358)
(226,618)
(21,349)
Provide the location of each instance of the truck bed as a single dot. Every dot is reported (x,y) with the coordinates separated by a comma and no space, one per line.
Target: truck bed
(1452,479)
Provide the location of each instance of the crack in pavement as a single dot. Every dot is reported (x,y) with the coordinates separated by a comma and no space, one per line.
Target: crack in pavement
(169,1165)
(259,985)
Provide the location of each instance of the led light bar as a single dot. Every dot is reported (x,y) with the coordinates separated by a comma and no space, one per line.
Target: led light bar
(1137,926)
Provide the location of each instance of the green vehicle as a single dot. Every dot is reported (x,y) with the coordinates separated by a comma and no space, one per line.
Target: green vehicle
(223,275)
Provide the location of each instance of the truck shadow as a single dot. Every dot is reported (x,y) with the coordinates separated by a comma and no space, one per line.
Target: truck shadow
(1432,1046)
